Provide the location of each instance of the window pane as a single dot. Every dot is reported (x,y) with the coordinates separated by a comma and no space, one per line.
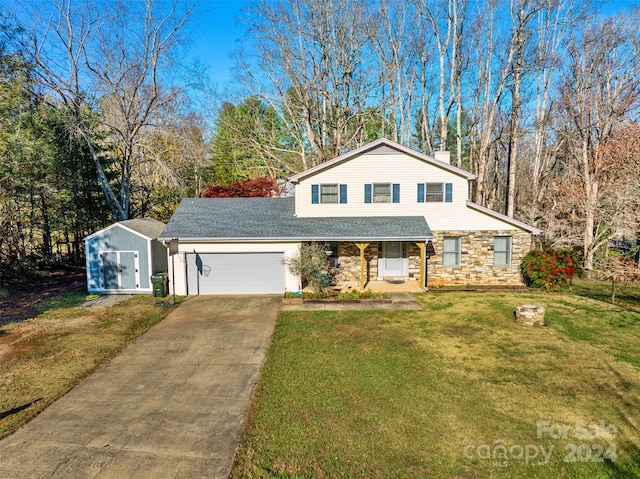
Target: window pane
(451,252)
(329,193)
(450,245)
(502,251)
(501,258)
(381,193)
(501,243)
(434,192)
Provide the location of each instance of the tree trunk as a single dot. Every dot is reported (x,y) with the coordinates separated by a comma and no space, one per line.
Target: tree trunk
(613,289)
(513,144)
(47,249)
(591,204)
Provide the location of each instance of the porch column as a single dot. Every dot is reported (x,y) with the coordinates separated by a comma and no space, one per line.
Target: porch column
(362,247)
(421,247)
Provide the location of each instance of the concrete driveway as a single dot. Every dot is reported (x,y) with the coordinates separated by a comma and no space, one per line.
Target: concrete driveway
(171,405)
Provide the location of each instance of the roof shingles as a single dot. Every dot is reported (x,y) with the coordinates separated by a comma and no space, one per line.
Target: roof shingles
(274,219)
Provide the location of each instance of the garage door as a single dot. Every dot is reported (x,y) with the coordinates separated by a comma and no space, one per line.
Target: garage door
(235,273)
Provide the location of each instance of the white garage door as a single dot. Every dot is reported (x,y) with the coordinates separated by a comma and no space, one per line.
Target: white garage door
(235,273)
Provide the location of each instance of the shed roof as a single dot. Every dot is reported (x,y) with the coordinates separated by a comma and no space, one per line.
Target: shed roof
(273,219)
(147,227)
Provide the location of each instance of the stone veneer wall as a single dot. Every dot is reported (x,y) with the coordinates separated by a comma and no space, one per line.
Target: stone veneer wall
(413,254)
(476,259)
(349,261)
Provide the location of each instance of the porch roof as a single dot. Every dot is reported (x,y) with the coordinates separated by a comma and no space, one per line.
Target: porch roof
(273,219)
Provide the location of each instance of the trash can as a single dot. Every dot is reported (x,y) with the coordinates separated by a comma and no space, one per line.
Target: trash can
(160,282)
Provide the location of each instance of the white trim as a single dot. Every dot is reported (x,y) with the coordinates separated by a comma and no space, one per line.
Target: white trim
(137,233)
(370,146)
(499,216)
(149,263)
(291,239)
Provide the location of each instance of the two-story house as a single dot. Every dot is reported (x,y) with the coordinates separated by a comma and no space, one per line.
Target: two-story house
(384,211)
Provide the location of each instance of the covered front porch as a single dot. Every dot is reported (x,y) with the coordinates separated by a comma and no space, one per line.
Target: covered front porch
(379,265)
(365,249)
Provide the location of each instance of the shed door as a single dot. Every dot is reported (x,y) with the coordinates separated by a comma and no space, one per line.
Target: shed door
(235,273)
(119,270)
(109,269)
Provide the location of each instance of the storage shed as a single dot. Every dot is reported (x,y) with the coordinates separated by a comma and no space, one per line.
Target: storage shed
(122,257)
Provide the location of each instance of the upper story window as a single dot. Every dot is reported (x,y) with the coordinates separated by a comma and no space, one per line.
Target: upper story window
(382,193)
(502,250)
(328,194)
(435,192)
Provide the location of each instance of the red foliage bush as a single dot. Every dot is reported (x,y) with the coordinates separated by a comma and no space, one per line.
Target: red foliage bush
(548,269)
(261,187)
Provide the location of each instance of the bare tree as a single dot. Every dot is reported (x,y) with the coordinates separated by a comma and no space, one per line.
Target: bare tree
(458,61)
(105,66)
(170,163)
(493,57)
(600,91)
(312,63)
(440,17)
(446,21)
(398,45)
(523,15)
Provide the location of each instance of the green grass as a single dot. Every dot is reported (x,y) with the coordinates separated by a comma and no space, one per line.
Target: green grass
(65,300)
(627,294)
(402,394)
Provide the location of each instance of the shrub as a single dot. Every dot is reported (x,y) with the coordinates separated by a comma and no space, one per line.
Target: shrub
(311,265)
(252,187)
(366,294)
(548,269)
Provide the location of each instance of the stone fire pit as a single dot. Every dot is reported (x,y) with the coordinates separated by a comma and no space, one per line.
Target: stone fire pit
(530,315)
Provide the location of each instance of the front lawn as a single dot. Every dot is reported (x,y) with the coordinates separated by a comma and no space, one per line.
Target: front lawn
(626,294)
(457,390)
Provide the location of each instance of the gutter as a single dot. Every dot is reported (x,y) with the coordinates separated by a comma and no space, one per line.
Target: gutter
(289,239)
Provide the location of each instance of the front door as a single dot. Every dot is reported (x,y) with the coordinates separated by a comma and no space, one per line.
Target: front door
(393,258)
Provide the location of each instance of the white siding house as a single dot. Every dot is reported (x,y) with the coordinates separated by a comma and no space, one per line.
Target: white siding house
(406,214)
(380,164)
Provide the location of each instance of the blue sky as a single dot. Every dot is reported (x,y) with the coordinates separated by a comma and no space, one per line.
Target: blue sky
(217,32)
(216,36)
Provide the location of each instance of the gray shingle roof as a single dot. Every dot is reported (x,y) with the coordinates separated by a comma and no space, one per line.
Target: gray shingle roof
(273,219)
(145,226)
